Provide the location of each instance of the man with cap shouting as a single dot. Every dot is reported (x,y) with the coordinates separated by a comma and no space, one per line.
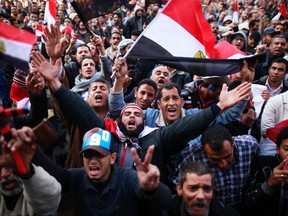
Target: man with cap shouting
(101,187)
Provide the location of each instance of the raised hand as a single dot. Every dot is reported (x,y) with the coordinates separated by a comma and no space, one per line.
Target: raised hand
(35,82)
(228,99)
(22,141)
(120,68)
(148,174)
(47,70)
(248,72)
(55,43)
(279,175)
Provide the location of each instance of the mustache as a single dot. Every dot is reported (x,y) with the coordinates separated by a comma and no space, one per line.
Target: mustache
(8,180)
(199,203)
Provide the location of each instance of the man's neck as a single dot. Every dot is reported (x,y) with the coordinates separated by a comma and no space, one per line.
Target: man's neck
(101,111)
(274,85)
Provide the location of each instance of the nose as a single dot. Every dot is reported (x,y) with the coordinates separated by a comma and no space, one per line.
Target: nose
(222,164)
(200,194)
(5,173)
(145,97)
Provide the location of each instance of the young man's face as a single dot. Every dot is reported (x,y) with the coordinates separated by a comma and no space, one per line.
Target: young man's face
(222,159)
(98,167)
(88,69)
(277,72)
(170,104)
(82,52)
(145,95)
(282,151)
(131,119)
(197,193)
(98,95)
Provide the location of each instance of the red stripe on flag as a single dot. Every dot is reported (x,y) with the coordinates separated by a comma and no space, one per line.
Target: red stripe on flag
(52,8)
(190,16)
(282,9)
(15,34)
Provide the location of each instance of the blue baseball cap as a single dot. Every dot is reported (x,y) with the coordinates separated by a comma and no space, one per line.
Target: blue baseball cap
(98,140)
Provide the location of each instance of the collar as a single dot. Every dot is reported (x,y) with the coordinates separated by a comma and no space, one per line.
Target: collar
(160,122)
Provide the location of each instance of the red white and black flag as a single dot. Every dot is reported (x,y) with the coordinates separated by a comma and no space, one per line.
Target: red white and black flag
(181,37)
(89,9)
(16,45)
(50,13)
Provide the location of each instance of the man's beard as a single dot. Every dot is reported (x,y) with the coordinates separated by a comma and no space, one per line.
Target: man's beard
(16,190)
(134,133)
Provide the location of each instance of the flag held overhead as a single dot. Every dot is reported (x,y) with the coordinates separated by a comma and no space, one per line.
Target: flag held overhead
(16,45)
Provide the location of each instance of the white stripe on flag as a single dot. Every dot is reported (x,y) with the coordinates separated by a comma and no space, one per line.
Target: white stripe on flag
(173,37)
(13,48)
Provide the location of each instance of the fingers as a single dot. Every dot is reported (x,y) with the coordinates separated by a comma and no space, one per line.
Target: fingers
(136,157)
(37,58)
(149,155)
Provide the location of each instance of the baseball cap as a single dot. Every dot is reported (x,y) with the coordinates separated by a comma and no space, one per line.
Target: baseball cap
(99,140)
(270,31)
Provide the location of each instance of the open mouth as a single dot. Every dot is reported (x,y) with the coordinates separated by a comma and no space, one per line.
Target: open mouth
(161,81)
(131,124)
(98,98)
(94,170)
(9,184)
(172,111)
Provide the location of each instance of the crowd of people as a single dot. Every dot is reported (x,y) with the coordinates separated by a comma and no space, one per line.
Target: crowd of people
(135,137)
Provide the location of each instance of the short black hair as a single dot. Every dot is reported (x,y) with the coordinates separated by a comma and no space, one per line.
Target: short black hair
(214,136)
(168,86)
(280,60)
(282,136)
(253,22)
(101,80)
(148,82)
(197,167)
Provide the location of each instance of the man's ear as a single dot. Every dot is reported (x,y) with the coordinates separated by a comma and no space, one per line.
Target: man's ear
(182,102)
(179,189)
(113,158)
(158,104)
(135,93)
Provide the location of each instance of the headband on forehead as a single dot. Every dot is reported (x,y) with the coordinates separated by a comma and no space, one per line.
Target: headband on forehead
(131,105)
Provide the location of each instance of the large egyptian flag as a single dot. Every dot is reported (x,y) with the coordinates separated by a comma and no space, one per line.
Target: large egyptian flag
(181,37)
(15,46)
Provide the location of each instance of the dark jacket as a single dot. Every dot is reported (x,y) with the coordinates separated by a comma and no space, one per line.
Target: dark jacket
(261,199)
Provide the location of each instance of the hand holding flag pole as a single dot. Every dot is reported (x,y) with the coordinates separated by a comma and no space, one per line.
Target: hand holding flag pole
(5,130)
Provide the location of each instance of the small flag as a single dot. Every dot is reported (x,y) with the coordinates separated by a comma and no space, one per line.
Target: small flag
(282,12)
(50,13)
(40,29)
(96,8)
(235,18)
(16,45)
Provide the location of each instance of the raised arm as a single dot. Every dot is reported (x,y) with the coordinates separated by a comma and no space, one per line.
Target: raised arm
(77,110)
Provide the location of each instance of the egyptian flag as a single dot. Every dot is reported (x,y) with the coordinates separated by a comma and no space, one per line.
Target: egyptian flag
(235,18)
(90,9)
(50,13)
(16,45)
(180,37)
(282,12)
(40,29)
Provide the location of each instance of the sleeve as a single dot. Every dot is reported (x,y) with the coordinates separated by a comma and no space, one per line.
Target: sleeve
(268,119)
(116,103)
(106,68)
(38,111)
(231,114)
(77,110)
(175,137)
(42,192)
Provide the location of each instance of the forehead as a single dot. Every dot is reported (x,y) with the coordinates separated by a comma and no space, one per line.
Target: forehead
(194,179)
(99,84)
(160,69)
(132,110)
(278,64)
(279,40)
(87,61)
(169,92)
(82,48)
(146,87)
(284,143)
(226,149)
